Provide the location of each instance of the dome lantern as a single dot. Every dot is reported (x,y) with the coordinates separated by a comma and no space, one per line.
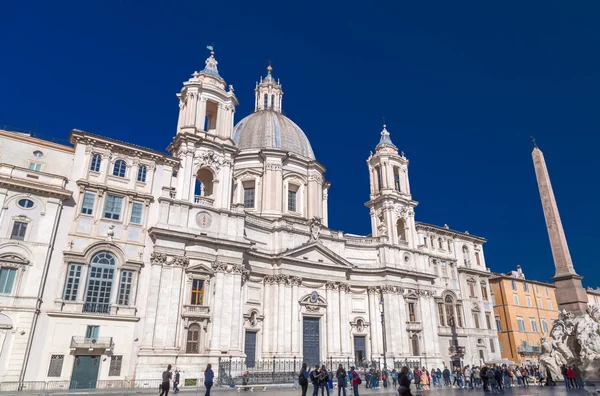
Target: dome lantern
(268,93)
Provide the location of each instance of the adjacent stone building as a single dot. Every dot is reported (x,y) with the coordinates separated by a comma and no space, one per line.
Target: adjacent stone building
(222,248)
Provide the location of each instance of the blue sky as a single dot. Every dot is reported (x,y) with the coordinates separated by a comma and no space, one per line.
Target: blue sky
(462,86)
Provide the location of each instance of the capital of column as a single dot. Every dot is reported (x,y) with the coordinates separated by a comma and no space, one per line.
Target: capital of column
(344,287)
(330,285)
(219,266)
(158,258)
(373,290)
(295,281)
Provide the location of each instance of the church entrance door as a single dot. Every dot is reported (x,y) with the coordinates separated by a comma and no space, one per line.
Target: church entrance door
(250,348)
(310,345)
(360,350)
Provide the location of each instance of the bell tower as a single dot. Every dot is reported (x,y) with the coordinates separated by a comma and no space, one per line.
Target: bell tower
(204,141)
(391,205)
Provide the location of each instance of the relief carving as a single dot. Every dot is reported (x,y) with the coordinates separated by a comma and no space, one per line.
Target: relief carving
(158,258)
(219,266)
(180,261)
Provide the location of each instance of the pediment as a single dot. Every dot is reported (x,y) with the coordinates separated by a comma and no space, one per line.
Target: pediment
(200,269)
(317,253)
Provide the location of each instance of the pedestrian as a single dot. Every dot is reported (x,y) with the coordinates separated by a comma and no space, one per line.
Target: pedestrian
(341,376)
(417,378)
(355,381)
(208,379)
(303,378)
(394,378)
(166,378)
(446,375)
(467,374)
(384,377)
(314,378)
(425,378)
(324,380)
(404,382)
(524,376)
(176,382)
(493,383)
(571,377)
(484,378)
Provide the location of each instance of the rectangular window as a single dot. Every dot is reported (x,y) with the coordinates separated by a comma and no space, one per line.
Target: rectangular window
(516,299)
(544,326)
(476,320)
(444,270)
(526,287)
(291,201)
(92,332)
(484,292)
(7,280)
(136,212)
(411,312)
(471,289)
(441,314)
(249,197)
(459,316)
(550,305)
(87,207)
(18,231)
(537,289)
(452,273)
(492,346)
(125,285)
(95,164)
(56,363)
(35,167)
(533,323)
(197,292)
(501,347)
(513,284)
(493,300)
(498,323)
(477,259)
(115,366)
(488,321)
(546,289)
(396,178)
(72,282)
(521,324)
(528,299)
(112,207)
(539,301)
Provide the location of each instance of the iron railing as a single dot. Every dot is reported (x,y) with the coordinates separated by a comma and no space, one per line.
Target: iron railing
(96,308)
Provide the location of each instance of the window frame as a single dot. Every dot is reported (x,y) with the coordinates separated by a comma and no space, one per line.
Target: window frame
(292,193)
(115,366)
(521,324)
(528,301)
(60,362)
(139,205)
(35,166)
(248,190)
(96,163)
(13,280)
(72,282)
(516,299)
(142,174)
(192,346)
(121,171)
(513,284)
(112,214)
(125,287)
(498,323)
(197,293)
(25,200)
(87,194)
(19,223)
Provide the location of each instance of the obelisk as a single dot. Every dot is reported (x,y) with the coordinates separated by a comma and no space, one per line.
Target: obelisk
(570,294)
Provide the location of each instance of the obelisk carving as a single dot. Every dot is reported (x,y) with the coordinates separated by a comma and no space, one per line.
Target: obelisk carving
(570,294)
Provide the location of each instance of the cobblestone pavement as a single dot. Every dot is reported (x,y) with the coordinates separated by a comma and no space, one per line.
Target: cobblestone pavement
(531,391)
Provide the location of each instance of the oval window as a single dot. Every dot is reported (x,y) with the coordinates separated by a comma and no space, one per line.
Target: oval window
(38,153)
(25,203)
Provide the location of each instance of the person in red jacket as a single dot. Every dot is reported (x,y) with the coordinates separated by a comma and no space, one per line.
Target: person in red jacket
(571,376)
(355,380)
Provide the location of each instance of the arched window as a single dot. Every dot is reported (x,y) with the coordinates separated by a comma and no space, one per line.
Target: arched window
(119,168)
(378,172)
(440,243)
(96,162)
(204,183)
(400,230)
(465,251)
(266,101)
(272,101)
(193,338)
(396,178)
(415,345)
(141,176)
(100,283)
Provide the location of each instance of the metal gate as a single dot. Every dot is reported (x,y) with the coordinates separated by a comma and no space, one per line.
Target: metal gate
(310,345)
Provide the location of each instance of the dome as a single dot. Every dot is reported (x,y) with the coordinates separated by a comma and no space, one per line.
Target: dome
(271,129)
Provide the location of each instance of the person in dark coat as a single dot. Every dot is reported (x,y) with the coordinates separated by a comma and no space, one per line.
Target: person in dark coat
(404,382)
(342,379)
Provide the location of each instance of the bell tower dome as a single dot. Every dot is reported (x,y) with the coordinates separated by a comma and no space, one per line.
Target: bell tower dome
(391,205)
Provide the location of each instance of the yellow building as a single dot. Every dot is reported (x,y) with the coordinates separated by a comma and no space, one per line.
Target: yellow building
(524,311)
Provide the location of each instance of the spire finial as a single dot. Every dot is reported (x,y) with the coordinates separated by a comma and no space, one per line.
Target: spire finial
(211,49)
(533,141)
(211,64)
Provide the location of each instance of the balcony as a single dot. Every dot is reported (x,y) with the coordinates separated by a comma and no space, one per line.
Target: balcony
(96,308)
(200,200)
(105,343)
(457,350)
(529,350)
(196,311)
(414,326)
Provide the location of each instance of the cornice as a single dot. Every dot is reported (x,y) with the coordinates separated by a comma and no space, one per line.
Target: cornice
(473,271)
(104,187)
(36,187)
(23,137)
(449,232)
(171,234)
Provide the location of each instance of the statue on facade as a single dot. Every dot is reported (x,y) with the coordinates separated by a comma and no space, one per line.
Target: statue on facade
(382,227)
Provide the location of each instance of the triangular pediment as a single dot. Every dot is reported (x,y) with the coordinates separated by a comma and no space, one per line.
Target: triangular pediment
(317,253)
(200,269)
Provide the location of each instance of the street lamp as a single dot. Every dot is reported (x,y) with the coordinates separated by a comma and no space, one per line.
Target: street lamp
(382,310)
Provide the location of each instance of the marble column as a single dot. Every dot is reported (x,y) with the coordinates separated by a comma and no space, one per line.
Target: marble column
(236,314)
(192,112)
(178,263)
(217,313)
(281,321)
(156,261)
(344,320)
(200,113)
(428,320)
(403,317)
(395,330)
(433,318)
(337,348)
(288,315)
(267,314)
(296,317)
(330,286)
(275,316)
(374,320)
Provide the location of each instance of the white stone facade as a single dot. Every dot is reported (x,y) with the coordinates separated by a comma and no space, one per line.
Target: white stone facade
(185,258)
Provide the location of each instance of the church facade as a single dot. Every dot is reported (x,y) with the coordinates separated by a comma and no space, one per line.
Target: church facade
(221,248)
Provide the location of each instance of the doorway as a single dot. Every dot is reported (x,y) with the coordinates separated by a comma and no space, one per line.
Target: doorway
(85,372)
(310,344)
(360,350)
(250,348)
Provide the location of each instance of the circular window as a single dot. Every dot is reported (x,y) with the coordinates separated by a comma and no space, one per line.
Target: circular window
(406,258)
(38,153)
(25,203)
